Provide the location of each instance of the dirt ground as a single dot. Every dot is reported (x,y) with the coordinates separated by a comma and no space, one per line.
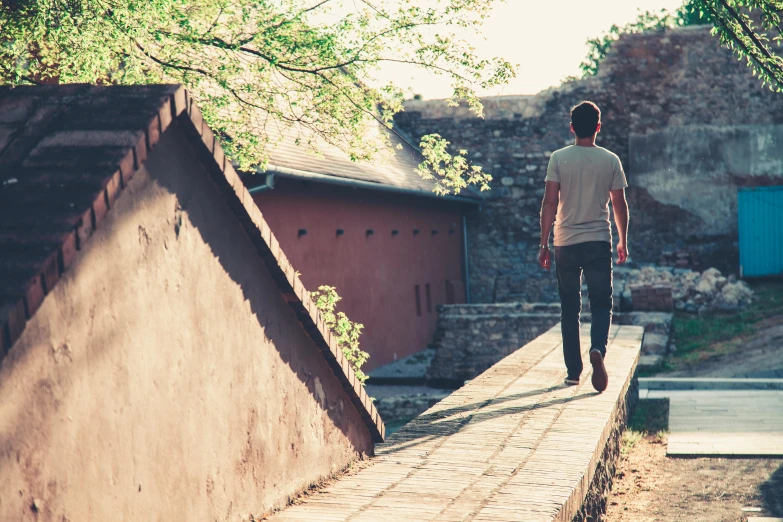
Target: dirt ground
(747,343)
(649,486)
(652,487)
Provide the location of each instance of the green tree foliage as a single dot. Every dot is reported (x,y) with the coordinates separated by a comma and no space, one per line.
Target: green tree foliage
(753,30)
(258,67)
(646,21)
(345,331)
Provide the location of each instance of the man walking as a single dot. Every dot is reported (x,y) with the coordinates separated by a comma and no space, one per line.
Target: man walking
(580,181)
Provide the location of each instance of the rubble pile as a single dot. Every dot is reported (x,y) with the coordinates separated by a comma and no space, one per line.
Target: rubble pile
(694,291)
(681,259)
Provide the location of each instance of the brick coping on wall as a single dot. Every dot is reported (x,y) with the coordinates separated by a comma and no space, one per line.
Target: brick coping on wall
(177,108)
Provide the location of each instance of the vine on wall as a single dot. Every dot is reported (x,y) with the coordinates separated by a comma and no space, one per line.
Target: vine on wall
(346,331)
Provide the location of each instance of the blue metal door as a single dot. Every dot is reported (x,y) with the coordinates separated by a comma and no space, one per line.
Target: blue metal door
(760,212)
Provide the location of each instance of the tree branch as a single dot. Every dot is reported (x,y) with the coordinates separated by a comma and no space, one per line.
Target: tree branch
(389,128)
(748,52)
(312,8)
(759,45)
(171,65)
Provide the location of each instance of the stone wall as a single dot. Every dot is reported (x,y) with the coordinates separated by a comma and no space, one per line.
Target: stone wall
(657,329)
(699,167)
(471,338)
(653,88)
(594,505)
(397,409)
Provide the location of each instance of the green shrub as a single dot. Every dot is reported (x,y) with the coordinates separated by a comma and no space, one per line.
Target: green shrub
(346,332)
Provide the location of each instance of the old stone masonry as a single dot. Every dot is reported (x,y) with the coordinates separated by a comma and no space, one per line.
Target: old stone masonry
(666,97)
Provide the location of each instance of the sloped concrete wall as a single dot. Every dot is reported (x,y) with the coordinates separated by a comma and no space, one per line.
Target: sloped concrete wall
(164,377)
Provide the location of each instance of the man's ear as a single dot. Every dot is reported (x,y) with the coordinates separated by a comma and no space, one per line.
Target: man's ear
(572,128)
(598,128)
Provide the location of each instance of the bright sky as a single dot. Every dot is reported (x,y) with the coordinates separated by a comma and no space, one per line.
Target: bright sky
(546,38)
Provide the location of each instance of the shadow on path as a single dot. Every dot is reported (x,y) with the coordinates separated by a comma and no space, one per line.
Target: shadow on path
(772,493)
(446,422)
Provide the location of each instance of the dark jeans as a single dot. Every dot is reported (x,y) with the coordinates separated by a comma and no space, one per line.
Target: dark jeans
(594,258)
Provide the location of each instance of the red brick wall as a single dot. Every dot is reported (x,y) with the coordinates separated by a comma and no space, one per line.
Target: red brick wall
(376,274)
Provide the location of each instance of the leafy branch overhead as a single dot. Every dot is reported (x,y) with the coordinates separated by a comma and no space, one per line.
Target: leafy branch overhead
(259,68)
(752,29)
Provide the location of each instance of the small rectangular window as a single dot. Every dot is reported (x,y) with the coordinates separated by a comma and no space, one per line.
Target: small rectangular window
(428,296)
(418,300)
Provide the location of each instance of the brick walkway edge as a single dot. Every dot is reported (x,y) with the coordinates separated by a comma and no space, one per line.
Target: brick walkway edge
(514,444)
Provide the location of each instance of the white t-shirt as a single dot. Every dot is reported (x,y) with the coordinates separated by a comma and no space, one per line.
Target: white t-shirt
(586,175)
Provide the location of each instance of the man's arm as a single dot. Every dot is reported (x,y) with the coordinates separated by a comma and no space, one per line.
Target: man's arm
(620,209)
(548,213)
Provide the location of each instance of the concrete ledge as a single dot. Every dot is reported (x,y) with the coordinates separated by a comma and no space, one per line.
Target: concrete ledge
(513,444)
(673,383)
(650,361)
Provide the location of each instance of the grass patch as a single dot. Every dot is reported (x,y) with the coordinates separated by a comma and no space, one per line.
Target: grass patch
(650,420)
(630,439)
(700,338)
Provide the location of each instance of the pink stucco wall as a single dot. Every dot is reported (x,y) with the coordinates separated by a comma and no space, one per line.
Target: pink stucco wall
(375,273)
(164,377)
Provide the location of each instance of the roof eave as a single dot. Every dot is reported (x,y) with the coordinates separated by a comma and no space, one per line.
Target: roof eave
(285,172)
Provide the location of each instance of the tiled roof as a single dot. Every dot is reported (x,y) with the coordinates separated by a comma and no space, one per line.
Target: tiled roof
(67,152)
(62,149)
(396,169)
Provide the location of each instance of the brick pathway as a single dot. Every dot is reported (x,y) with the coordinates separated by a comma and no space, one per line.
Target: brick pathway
(513,444)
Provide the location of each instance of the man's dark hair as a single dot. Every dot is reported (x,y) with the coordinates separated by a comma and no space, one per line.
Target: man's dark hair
(585,118)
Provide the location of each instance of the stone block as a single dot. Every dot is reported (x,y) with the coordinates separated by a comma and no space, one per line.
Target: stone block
(655,344)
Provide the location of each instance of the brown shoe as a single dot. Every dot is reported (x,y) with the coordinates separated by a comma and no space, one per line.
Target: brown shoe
(600,377)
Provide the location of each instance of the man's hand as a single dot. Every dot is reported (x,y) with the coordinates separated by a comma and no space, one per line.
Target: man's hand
(622,253)
(545,258)
(548,213)
(620,211)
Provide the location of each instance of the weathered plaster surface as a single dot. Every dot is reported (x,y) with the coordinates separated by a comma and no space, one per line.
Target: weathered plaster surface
(698,168)
(164,378)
